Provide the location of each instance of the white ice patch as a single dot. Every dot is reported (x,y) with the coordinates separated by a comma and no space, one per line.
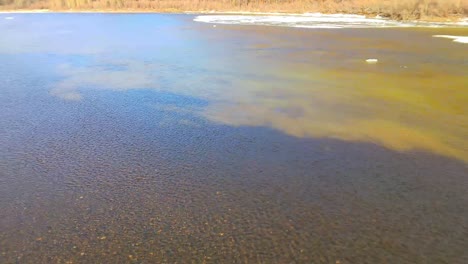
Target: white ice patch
(305,21)
(314,20)
(372,61)
(9,18)
(459,39)
(463,22)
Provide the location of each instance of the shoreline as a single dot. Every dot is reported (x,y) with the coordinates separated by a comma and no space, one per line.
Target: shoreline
(453,19)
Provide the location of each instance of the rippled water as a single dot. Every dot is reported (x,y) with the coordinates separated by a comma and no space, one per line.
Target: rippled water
(153,138)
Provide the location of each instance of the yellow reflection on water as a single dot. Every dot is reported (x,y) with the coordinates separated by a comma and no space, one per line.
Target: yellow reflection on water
(404,110)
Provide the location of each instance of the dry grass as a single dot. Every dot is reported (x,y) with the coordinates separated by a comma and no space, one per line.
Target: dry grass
(396,9)
(419,9)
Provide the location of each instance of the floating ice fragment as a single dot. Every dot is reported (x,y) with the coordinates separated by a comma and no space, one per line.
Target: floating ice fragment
(372,61)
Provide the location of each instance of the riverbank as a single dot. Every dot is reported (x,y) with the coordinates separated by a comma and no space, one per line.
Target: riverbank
(423,10)
(454,20)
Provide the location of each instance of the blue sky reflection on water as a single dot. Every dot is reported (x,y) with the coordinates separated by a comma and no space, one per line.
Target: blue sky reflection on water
(305,83)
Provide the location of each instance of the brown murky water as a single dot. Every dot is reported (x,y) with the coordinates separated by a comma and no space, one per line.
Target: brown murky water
(154,139)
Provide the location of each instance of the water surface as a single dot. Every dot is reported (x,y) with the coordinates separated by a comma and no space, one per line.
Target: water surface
(153,138)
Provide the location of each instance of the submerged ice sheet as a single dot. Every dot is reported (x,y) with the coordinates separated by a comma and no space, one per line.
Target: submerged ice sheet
(315,20)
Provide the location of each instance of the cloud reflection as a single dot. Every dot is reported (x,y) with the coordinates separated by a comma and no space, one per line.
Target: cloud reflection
(400,111)
(118,77)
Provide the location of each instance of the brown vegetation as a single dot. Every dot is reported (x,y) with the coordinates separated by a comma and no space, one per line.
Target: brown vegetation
(397,9)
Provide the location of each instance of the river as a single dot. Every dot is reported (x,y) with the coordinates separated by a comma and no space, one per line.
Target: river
(154,138)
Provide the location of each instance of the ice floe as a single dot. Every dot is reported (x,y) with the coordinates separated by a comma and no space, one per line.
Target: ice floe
(317,20)
(459,39)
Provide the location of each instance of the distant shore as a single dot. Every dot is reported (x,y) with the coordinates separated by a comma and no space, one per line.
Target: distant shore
(247,12)
(400,10)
